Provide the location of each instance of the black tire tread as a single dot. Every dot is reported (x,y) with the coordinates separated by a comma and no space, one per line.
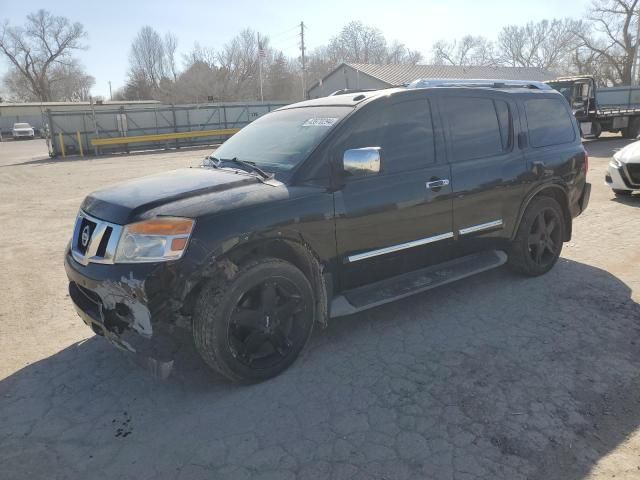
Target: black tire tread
(208,306)
(517,259)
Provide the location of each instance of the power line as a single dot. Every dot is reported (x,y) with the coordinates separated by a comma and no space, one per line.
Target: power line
(284,32)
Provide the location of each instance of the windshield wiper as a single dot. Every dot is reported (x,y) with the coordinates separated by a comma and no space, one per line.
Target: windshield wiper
(247,166)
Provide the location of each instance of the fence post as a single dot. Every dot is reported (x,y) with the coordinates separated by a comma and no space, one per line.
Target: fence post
(95,124)
(50,143)
(80,143)
(61,142)
(175,123)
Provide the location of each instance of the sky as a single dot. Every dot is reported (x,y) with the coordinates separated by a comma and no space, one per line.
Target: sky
(112,25)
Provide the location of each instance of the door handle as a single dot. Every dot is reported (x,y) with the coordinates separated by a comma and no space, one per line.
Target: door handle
(434,184)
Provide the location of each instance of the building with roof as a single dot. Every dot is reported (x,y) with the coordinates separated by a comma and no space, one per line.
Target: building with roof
(377,76)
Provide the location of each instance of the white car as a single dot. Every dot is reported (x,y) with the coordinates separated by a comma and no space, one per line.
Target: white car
(623,174)
(22,130)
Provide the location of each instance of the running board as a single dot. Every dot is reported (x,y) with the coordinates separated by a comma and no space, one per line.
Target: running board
(395,288)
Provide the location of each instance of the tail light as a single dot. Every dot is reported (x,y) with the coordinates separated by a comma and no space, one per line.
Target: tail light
(585,165)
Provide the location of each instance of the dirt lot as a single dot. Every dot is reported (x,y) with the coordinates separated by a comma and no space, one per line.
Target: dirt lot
(496,376)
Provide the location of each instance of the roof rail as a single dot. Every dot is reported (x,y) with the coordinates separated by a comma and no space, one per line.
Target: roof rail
(345,91)
(486,83)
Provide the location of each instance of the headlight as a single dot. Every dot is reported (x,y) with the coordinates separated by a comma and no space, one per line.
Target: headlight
(156,240)
(615,163)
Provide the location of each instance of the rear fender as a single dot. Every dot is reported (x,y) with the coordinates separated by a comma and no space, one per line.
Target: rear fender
(556,191)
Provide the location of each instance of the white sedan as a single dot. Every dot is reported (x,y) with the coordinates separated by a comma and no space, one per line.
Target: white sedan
(22,130)
(623,174)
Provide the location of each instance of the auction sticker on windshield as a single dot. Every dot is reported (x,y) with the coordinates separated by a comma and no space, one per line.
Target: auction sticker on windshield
(320,122)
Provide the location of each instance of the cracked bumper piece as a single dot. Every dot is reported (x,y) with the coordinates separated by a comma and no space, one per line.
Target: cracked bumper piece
(112,301)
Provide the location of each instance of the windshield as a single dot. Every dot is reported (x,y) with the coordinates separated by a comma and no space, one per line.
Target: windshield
(281,140)
(21,125)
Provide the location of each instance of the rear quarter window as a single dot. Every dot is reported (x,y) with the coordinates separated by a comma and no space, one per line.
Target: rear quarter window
(549,122)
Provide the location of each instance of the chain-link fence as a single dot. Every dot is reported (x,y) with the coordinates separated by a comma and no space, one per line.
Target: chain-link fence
(128,128)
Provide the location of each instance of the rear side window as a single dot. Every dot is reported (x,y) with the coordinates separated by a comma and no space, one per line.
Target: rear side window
(474,127)
(404,131)
(549,122)
(504,119)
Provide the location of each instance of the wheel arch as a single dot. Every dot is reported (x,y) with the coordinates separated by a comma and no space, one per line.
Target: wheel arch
(296,252)
(555,191)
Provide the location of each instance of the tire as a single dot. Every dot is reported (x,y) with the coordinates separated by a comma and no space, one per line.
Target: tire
(622,193)
(596,130)
(255,325)
(633,129)
(541,230)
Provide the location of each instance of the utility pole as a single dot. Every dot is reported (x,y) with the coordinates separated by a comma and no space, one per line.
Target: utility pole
(110,93)
(304,62)
(634,66)
(261,54)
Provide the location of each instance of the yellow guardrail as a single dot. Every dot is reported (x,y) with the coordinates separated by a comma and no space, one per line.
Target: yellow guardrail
(99,142)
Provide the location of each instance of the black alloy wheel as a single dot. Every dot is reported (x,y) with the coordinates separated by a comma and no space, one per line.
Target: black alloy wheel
(539,239)
(253,326)
(545,237)
(264,323)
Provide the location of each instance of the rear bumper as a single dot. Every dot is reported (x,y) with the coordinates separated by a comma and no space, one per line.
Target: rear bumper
(584,198)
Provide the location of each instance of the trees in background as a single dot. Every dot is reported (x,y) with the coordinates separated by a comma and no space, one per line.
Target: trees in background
(467,51)
(546,44)
(613,39)
(604,44)
(232,72)
(42,66)
(40,55)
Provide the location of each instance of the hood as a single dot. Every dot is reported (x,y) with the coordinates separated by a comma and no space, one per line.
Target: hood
(129,201)
(629,154)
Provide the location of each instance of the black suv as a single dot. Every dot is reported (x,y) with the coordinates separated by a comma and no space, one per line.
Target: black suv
(325,208)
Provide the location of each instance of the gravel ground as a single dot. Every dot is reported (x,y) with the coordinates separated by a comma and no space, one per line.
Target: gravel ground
(493,377)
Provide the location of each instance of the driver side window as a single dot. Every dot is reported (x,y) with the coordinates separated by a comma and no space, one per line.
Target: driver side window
(402,129)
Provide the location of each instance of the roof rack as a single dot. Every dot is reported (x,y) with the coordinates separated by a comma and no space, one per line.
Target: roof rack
(485,83)
(345,91)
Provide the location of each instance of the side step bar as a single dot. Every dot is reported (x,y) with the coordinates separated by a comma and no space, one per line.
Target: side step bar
(395,288)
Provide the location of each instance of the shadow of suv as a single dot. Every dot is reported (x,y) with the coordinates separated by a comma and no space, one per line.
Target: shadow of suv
(325,208)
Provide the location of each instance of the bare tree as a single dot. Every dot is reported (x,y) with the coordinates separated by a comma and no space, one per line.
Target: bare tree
(398,53)
(358,43)
(547,44)
(147,58)
(200,54)
(467,51)
(36,49)
(170,47)
(616,21)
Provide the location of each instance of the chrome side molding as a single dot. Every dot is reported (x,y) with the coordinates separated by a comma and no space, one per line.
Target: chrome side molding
(482,226)
(398,247)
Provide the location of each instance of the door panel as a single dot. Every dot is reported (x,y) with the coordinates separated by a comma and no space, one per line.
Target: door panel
(488,170)
(390,223)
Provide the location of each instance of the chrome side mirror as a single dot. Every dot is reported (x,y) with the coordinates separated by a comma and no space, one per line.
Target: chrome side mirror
(359,162)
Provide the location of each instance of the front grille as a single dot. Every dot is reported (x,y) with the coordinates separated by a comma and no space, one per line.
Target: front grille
(634,172)
(94,240)
(87,227)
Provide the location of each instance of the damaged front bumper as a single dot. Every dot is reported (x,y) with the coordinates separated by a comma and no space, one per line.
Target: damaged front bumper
(113,301)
